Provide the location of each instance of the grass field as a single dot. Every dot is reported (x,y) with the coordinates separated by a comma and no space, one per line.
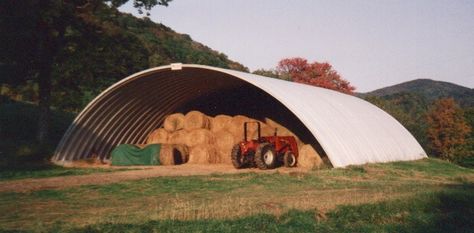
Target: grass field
(46,170)
(422,196)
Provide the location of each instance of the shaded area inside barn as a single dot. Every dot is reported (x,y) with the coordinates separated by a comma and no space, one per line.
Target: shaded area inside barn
(252,102)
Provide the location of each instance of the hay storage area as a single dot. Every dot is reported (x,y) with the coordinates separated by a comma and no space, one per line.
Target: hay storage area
(174,122)
(173,154)
(159,135)
(196,138)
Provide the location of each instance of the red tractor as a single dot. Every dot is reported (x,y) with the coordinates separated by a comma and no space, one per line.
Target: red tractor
(265,152)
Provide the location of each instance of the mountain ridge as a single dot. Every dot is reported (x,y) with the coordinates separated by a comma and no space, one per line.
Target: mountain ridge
(427,88)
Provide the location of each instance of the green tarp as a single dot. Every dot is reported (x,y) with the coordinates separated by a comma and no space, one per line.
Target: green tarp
(127,155)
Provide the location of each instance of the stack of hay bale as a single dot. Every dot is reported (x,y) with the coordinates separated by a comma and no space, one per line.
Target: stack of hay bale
(196,138)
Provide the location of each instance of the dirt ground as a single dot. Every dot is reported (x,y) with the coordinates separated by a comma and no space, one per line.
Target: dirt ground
(27,185)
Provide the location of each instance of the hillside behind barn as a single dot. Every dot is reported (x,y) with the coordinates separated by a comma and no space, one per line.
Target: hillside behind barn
(106,46)
(410,102)
(428,89)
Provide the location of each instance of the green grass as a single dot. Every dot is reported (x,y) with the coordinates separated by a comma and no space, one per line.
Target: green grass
(445,211)
(45,170)
(434,167)
(467,161)
(392,197)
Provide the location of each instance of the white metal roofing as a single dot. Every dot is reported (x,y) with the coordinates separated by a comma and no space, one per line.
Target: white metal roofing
(350,130)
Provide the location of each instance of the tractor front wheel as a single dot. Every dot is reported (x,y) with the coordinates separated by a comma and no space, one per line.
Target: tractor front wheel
(265,156)
(237,157)
(289,159)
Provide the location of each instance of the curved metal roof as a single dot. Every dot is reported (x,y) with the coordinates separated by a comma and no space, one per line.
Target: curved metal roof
(350,130)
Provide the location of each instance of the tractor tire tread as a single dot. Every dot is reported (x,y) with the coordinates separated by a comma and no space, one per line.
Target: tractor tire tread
(236,157)
(286,160)
(259,160)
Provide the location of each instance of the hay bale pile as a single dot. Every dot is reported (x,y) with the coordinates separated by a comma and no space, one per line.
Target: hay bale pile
(309,158)
(196,120)
(158,136)
(196,138)
(174,122)
(173,154)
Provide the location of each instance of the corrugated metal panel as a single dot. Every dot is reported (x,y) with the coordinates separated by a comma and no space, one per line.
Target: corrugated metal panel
(349,129)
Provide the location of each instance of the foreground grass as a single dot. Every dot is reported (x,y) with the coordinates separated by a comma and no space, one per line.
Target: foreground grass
(425,196)
(447,211)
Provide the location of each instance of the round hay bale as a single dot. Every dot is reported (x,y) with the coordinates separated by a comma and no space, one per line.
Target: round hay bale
(181,153)
(236,127)
(174,122)
(203,154)
(173,154)
(224,156)
(309,158)
(224,141)
(199,136)
(159,135)
(220,122)
(178,137)
(166,155)
(196,120)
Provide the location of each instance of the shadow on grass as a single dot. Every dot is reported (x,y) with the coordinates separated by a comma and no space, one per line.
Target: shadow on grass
(26,170)
(456,211)
(45,170)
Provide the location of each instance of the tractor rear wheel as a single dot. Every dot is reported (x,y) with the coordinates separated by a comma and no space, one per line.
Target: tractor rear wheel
(265,156)
(289,159)
(237,157)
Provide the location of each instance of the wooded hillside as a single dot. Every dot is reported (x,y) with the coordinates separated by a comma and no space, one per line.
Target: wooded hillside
(101,47)
(411,103)
(428,89)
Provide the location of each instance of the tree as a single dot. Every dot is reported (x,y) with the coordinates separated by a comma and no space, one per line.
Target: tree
(33,33)
(268,73)
(447,128)
(316,74)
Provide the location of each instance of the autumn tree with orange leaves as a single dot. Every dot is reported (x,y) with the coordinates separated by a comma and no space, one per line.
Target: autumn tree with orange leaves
(316,74)
(447,128)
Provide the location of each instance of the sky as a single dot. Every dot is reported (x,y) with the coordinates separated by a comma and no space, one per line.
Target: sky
(372,44)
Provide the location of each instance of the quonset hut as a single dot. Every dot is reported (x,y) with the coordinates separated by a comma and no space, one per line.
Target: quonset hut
(347,129)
